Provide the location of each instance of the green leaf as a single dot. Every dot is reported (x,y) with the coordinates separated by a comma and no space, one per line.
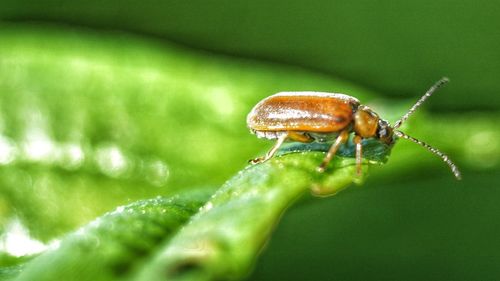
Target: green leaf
(175,239)
(223,240)
(118,243)
(11,266)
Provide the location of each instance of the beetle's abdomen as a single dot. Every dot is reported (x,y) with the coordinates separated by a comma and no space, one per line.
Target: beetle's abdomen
(303,112)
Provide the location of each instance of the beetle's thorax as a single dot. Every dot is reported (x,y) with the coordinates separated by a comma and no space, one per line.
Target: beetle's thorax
(367,124)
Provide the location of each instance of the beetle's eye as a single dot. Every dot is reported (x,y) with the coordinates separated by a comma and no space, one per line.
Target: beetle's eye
(382,132)
(382,129)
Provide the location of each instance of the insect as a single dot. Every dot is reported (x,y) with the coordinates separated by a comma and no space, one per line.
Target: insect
(323,117)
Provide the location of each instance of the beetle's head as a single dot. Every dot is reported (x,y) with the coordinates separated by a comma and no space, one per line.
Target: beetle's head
(367,124)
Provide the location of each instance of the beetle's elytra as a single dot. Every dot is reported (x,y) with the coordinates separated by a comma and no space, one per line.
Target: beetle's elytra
(321,117)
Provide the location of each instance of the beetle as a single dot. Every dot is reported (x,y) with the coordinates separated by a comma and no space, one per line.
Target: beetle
(324,117)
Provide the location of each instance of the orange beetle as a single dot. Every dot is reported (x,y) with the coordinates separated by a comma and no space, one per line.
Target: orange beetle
(323,117)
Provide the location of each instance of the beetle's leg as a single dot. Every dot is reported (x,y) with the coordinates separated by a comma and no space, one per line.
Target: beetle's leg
(300,137)
(342,138)
(272,151)
(359,152)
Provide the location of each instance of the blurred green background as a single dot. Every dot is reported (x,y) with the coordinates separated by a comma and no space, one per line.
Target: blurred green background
(107,102)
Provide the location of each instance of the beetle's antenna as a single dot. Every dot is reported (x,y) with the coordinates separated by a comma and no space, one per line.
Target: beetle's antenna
(429,93)
(444,157)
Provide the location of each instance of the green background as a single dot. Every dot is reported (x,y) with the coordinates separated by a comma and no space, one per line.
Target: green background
(409,221)
(395,47)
